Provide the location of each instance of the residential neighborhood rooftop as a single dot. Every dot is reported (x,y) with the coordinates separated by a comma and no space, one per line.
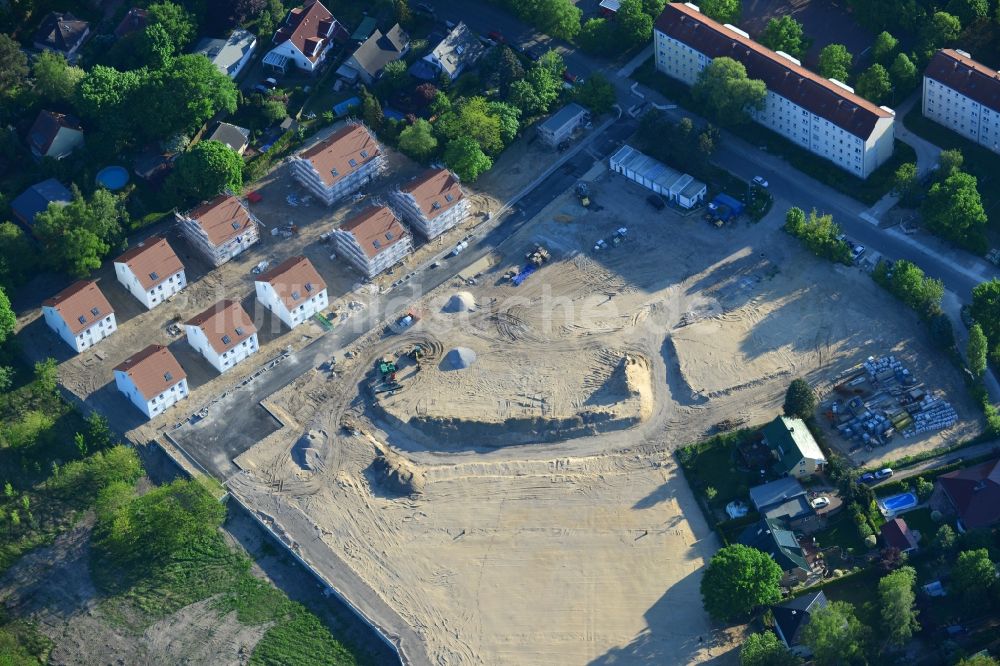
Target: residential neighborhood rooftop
(376,229)
(342,152)
(380,49)
(80,305)
(152,261)
(435,191)
(153,370)
(61,31)
(975,493)
(896,533)
(295,280)
(222,218)
(135,20)
(46,127)
(306,26)
(226,324)
(37,198)
(957,70)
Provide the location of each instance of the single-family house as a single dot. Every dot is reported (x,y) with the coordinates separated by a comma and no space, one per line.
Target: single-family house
(792,616)
(608,8)
(457,52)
(896,533)
(972,493)
(364,29)
(795,451)
(340,164)
(152,380)
(229,55)
(55,135)
(560,125)
(37,198)
(433,202)
(369,59)
(672,185)
(775,539)
(304,39)
(786,500)
(372,241)
(224,334)
(135,20)
(293,290)
(151,271)
(234,136)
(80,314)
(219,229)
(775,492)
(63,33)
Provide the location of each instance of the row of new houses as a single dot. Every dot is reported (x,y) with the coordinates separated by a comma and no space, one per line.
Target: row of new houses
(825,116)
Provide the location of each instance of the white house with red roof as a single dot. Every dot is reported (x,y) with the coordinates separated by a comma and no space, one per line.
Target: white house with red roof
(304,39)
(433,202)
(80,314)
(340,164)
(372,241)
(292,290)
(219,229)
(151,271)
(224,334)
(152,380)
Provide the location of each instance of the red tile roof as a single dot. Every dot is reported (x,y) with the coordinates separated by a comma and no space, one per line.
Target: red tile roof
(896,533)
(975,492)
(153,370)
(222,218)
(81,305)
(225,324)
(295,280)
(307,27)
(376,228)
(152,261)
(795,83)
(332,156)
(436,191)
(963,74)
(136,19)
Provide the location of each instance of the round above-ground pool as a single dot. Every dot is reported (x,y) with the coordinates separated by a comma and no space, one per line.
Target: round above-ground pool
(898,503)
(112,177)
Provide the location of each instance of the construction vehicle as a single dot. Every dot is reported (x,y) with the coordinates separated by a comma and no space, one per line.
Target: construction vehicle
(538,256)
(583,193)
(416,352)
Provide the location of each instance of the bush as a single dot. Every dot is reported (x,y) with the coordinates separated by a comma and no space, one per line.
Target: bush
(819,234)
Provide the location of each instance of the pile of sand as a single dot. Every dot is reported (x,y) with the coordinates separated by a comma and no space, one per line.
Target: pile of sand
(459,358)
(461,301)
(398,475)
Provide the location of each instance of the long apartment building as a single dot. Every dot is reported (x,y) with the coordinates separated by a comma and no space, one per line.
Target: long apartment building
(824,116)
(340,164)
(964,96)
(433,202)
(372,241)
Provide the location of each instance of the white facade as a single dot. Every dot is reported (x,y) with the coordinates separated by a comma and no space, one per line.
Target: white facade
(818,135)
(155,405)
(974,121)
(87,337)
(149,297)
(229,55)
(430,227)
(220,361)
(270,299)
(674,186)
(286,52)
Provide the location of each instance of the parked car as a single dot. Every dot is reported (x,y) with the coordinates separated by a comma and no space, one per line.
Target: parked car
(857,251)
(820,502)
(867,477)
(760,182)
(266,86)
(534,54)
(883,473)
(497,37)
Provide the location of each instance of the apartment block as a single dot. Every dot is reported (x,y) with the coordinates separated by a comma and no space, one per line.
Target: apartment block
(224,334)
(823,116)
(964,96)
(433,202)
(372,241)
(151,271)
(293,291)
(152,380)
(340,164)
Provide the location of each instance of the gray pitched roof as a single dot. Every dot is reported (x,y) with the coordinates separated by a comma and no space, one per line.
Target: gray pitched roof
(776,491)
(380,49)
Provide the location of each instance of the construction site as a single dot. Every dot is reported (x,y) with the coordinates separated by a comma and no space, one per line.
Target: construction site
(489,477)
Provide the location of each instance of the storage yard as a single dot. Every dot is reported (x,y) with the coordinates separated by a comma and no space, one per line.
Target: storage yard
(498,469)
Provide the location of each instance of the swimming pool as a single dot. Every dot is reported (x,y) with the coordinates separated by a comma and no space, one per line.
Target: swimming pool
(899,503)
(113,177)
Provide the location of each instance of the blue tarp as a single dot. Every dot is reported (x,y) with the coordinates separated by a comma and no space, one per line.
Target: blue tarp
(524,274)
(344,107)
(725,206)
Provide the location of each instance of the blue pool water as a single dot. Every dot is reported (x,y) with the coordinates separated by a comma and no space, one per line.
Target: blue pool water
(901,502)
(112,177)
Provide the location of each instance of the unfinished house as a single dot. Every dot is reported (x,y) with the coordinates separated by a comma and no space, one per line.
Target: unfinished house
(372,241)
(340,164)
(219,229)
(433,202)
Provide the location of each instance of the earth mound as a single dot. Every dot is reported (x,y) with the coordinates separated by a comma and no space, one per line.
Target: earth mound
(461,301)
(458,358)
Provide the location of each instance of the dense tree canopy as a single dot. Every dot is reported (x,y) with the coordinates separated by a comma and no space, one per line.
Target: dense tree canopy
(819,234)
(418,140)
(884,48)
(942,30)
(874,84)
(723,11)
(764,649)
(785,34)
(953,210)
(7,317)
(977,351)
(835,635)
(835,62)
(55,79)
(185,94)
(738,580)
(208,169)
(903,72)
(18,257)
(898,602)
(559,18)
(105,95)
(176,22)
(77,235)
(907,282)
(800,401)
(973,575)
(724,90)
(472,119)
(986,309)
(13,63)
(597,94)
(635,26)
(464,156)
(501,68)
(968,11)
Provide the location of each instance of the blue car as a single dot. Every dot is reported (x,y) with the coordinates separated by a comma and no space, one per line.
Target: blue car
(867,477)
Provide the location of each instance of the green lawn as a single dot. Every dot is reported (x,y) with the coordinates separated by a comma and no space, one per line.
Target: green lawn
(841,531)
(712,463)
(920,520)
(859,590)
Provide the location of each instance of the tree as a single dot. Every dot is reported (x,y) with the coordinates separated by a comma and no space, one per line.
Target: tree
(924,488)
(176,21)
(908,283)
(949,161)
(874,84)
(464,156)
(834,634)
(208,169)
(99,435)
(186,93)
(559,18)
(394,78)
(371,110)
(597,94)
(18,256)
(784,34)
(13,63)
(418,140)
(884,48)
(508,116)
(976,351)
(7,317)
(153,47)
(944,539)
(723,11)
(800,401)
(985,309)
(104,96)
(954,211)
(905,180)
(968,11)
(898,604)
(978,660)
(973,574)
(634,26)
(819,234)
(77,235)
(764,649)
(940,31)
(599,36)
(401,10)
(440,104)
(552,63)
(501,68)
(472,119)
(537,91)
(738,580)
(903,72)
(725,91)
(835,62)
(55,79)
(654,7)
